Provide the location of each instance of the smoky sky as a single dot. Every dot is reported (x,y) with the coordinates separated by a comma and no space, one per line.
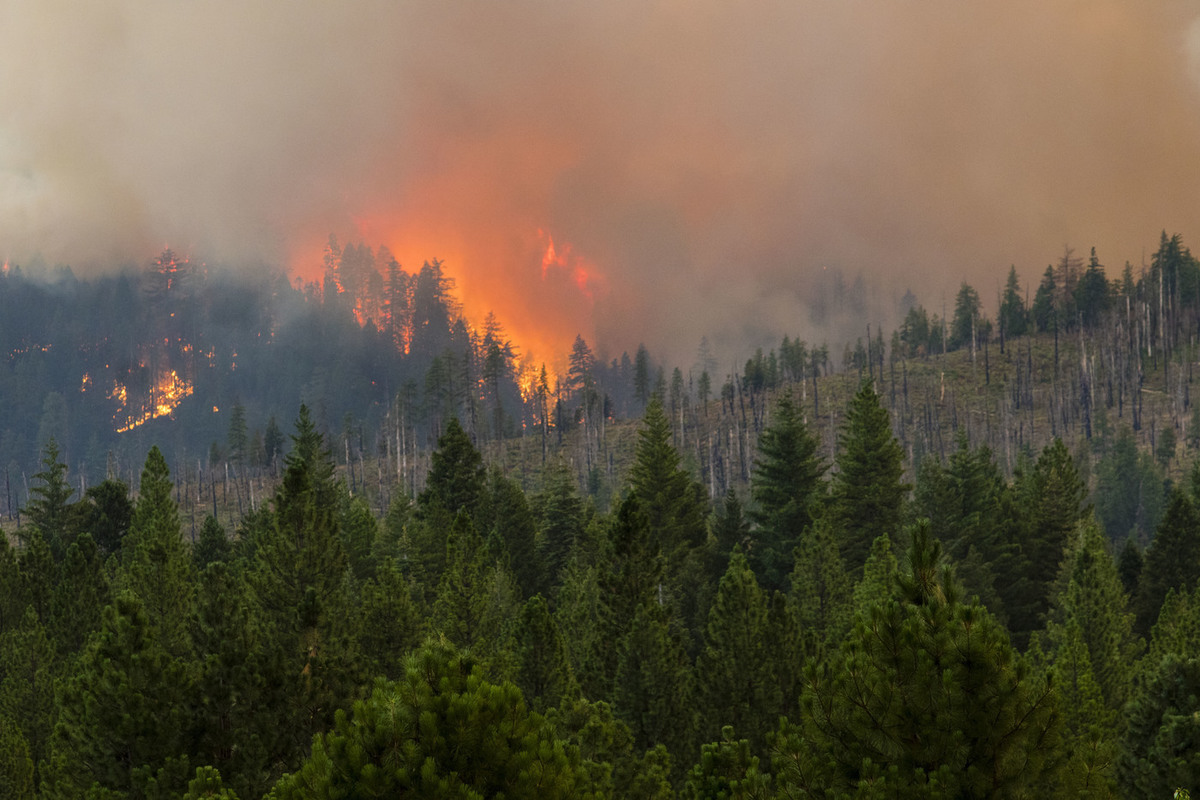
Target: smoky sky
(699,165)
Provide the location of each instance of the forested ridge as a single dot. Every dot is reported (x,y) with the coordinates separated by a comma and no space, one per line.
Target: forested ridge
(964,562)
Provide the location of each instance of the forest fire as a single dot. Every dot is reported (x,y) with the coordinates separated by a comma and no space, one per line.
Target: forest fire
(168,391)
(542,289)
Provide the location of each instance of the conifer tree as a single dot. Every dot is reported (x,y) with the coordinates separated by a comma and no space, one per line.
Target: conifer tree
(49,511)
(16,768)
(391,621)
(358,530)
(559,511)
(654,683)
(122,714)
(157,566)
(668,497)
(515,527)
(212,546)
(1094,604)
(925,695)
(734,680)
(440,731)
(80,594)
(462,594)
(1161,747)
(786,486)
(543,672)
(235,721)
(456,479)
(27,675)
(106,513)
(1172,560)
(820,589)
(866,491)
(879,575)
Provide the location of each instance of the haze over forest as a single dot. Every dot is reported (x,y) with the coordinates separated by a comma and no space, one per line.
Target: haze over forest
(697,165)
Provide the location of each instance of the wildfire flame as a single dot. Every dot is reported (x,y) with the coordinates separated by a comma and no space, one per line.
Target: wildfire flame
(168,391)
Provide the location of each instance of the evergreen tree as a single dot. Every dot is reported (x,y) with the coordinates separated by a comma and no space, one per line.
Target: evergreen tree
(654,683)
(820,589)
(786,486)
(559,511)
(158,567)
(866,492)
(1093,604)
(1013,317)
(879,575)
(1172,559)
(926,695)
(967,319)
(462,594)
(107,514)
(514,526)
(1052,501)
(235,720)
(727,770)
(49,511)
(734,679)
(358,530)
(391,621)
(212,546)
(1161,747)
(440,731)
(16,768)
(671,501)
(121,716)
(457,477)
(543,673)
(79,595)
(27,675)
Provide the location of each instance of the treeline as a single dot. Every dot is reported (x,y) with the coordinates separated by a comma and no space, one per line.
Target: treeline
(836,632)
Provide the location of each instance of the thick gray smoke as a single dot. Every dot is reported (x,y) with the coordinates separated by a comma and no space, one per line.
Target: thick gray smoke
(707,162)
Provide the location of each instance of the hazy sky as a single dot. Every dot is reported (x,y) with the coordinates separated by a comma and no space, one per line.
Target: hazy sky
(696,163)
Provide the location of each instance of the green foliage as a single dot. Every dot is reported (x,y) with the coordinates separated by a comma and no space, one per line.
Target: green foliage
(787,490)
(654,683)
(559,512)
(442,730)
(391,620)
(1172,560)
(735,682)
(867,491)
(49,511)
(728,770)
(925,690)
(122,714)
(213,545)
(820,588)
(1161,747)
(27,675)
(671,501)
(457,477)
(543,672)
(16,768)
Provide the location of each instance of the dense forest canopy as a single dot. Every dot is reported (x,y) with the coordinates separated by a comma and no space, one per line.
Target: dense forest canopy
(961,560)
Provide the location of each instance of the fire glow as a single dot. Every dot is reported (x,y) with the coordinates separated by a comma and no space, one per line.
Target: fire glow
(542,289)
(168,391)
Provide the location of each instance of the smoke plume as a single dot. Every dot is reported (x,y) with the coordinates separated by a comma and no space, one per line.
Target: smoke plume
(699,166)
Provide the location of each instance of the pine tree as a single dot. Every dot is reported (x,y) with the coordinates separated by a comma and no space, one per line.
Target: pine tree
(472,738)
(235,721)
(1161,747)
(16,768)
(107,514)
(358,530)
(50,512)
(866,491)
(1053,503)
(212,546)
(559,511)
(391,621)
(79,595)
(654,683)
(543,672)
(122,714)
(734,679)
(157,565)
(514,526)
(820,589)
(926,694)
(879,576)
(457,477)
(462,593)
(1093,603)
(786,486)
(671,501)
(27,674)
(1172,560)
